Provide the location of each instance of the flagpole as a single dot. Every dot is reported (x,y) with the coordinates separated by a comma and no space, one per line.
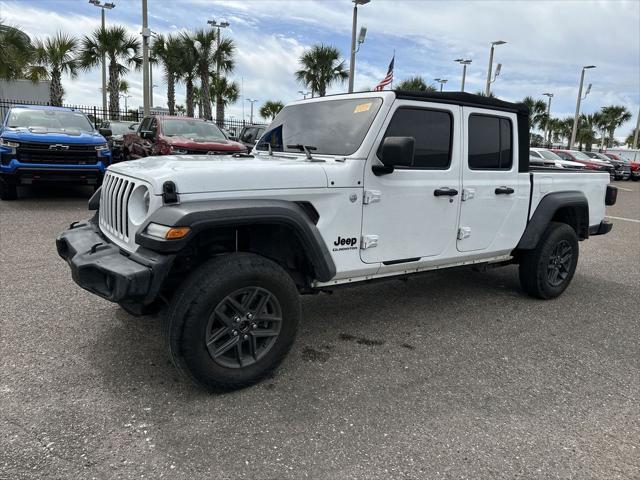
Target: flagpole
(394,66)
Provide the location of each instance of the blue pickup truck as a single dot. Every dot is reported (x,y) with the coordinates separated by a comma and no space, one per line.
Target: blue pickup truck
(50,144)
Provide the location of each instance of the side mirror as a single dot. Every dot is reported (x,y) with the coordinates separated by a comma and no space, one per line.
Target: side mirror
(147,134)
(105,132)
(395,152)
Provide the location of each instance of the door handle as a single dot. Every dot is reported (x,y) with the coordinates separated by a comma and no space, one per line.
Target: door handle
(445,191)
(504,190)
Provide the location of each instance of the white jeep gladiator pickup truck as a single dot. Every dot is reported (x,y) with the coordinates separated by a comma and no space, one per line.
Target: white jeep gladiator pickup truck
(339,189)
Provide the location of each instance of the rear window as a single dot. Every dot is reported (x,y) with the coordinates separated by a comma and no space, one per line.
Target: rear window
(490,143)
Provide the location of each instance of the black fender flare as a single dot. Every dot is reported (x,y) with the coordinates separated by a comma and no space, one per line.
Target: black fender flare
(204,215)
(546,210)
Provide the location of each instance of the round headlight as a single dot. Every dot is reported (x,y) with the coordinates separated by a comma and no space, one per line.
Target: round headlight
(138,207)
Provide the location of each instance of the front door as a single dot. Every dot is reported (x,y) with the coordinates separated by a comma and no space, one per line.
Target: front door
(490,189)
(412,212)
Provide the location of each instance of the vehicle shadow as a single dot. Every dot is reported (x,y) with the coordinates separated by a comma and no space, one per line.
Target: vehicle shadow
(54,192)
(371,315)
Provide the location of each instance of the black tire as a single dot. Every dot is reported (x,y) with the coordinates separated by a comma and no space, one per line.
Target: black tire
(201,311)
(8,191)
(635,179)
(544,271)
(124,156)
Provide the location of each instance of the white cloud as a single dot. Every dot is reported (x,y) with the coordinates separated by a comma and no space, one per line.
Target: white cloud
(548,42)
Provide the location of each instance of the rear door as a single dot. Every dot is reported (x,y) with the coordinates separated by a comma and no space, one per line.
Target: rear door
(490,189)
(412,212)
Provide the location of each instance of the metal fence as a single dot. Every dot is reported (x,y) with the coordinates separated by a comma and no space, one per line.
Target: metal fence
(97,115)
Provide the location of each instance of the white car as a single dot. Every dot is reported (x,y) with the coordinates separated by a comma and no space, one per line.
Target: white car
(340,190)
(552,159)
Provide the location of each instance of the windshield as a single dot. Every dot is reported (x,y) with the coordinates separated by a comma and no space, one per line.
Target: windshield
(50,119)
(549,155)
(195,130)
(580,156)
(120,128)
(333,127)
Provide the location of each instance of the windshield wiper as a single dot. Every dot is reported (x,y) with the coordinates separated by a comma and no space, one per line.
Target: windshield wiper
(304,148)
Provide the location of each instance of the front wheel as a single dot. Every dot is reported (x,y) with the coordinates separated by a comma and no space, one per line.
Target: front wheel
(547,270)
(8,191)
(233,321)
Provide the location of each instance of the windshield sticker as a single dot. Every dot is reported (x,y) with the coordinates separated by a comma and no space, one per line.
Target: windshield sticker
(362,107)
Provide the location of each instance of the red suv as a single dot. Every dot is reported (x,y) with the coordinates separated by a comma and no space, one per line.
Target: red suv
(635,166)
(165,135)
(588,162)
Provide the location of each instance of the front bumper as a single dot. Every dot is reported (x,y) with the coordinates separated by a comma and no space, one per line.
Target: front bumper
(101,267)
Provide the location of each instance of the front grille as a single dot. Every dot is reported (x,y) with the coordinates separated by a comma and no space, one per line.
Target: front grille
(114,200)
(71,154)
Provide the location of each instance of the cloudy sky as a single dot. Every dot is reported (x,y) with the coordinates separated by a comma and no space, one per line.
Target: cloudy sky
(548,43)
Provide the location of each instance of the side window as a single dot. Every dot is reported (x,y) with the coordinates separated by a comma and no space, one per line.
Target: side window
(154,125)
(533,153)
(490,143)
(145,124)
(432,130)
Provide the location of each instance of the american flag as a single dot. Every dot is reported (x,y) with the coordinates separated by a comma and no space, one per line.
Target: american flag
(388,79)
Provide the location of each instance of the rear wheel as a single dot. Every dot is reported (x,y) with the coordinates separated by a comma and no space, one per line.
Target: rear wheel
(547,270)
(233,321)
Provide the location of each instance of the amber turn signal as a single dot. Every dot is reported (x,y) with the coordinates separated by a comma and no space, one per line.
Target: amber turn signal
(175,233)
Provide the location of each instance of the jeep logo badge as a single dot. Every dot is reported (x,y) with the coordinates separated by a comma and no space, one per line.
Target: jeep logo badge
(345,244)
(58,147)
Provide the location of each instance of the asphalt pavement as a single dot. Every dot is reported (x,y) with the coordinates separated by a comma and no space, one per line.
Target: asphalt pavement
(453,374)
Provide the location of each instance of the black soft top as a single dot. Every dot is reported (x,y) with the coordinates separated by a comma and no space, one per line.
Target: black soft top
(465,99)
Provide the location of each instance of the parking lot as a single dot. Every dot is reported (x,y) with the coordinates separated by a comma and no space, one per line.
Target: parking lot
(454,374)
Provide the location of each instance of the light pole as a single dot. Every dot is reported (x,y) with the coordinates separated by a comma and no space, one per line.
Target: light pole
(441,81)
(574,130)
(252,101)
(126,109)
(106,6)
(304,94)
(635,135)
(146,33)
(464,64)
(546,126)
(352,63)
(489,82)
(218,25)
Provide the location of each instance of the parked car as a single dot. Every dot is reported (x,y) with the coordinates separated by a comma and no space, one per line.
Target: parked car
(622,169)
(551,158)
(250,134)
(633,166)
(50,144)
(346,189)
(165,135)
(118,130)
(630,154)
(589,163)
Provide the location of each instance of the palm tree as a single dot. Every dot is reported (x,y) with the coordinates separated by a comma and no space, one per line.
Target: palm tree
(225,92)
(270,109)
(187,70)
(180,109)
(613,117)
(587,129)
(17,52)
(124,86)
(537,111)
(416,84)
(121,49)
(565,126)
(225,63)
(481,93)
(168,51)
(321,67)
(204,42)
(53,57)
